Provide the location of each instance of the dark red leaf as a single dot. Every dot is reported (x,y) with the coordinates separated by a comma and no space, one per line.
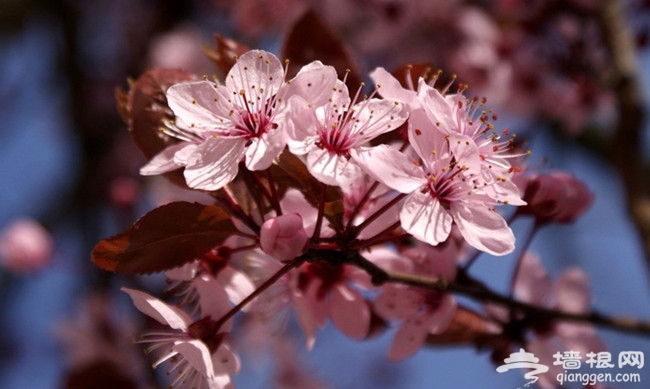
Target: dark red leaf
(167,237)
(147,108)
(309,40)
(225,54)
(466,328)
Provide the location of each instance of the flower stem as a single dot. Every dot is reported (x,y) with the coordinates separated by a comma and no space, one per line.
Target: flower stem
(265,285)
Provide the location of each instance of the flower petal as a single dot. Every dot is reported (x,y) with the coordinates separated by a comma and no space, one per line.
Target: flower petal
(483,228)
(332,169)
(349,312)
(164,162)
(197,103)
(215,163)
(424,217)
(572,291)
(256,72)
(408,339)
(532,284)
(390,167)
(158,310)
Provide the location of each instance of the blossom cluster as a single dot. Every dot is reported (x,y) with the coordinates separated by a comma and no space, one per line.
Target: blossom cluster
(319,193)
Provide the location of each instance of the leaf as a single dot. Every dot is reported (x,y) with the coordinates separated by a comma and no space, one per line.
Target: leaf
(147,108)
(467,327)
(309,40)
(167,237)
(225,54)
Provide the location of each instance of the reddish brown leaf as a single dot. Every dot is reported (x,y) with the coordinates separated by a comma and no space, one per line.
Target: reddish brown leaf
(466,328)
(225,54)
(309,40)
(147,108)
(167,237)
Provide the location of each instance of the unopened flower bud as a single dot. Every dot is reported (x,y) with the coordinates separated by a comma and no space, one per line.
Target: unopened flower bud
(555,197)
(284,237)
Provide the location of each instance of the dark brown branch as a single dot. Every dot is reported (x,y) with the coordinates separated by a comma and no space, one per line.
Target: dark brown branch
(478,291)
(627,145)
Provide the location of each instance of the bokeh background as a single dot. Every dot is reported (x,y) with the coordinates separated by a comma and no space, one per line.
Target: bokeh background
(67,161)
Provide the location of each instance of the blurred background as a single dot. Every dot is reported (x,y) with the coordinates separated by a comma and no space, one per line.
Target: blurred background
(69,169)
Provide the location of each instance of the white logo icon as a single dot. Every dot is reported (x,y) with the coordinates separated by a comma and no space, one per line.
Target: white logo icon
(524,360)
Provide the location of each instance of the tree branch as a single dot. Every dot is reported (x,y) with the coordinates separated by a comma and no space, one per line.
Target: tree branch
(627,145)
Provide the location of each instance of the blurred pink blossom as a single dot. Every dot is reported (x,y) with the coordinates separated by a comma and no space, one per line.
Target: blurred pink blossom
(25,246)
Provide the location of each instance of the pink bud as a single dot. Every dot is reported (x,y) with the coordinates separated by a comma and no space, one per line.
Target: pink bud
(284,237)
(556,197)
(25,246)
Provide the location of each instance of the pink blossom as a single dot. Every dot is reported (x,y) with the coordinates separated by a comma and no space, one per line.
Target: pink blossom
(245,119)
(467,126)
(421,311)
(202,358)
(25,246)
(570,293)
(211,281)
(555,197)
(328,134)
(283,237)
(322,291)
(439,191)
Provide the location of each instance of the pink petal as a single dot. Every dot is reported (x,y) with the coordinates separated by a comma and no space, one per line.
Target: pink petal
(186,272)
(424,217)
(254,71)
(397,302)
(443,315)
(225,360)
(158,310)
(236,284)
(262,150)
(408,339)
(213,299)
(376,117)
(349,312)
(466,152)
(572,291)
(332,169)
(314,83)
(428,142)
(163,162)
(390,167)
(483,228)
(215,163)
(197,355)
(194,102)
(532,284)
(389,87)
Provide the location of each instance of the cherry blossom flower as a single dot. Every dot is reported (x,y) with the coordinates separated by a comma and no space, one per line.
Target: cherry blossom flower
(421,311)
(439,191)
(570,293)
(328,134)
(245,119)
(200,355)
(211,281)
(470,134)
